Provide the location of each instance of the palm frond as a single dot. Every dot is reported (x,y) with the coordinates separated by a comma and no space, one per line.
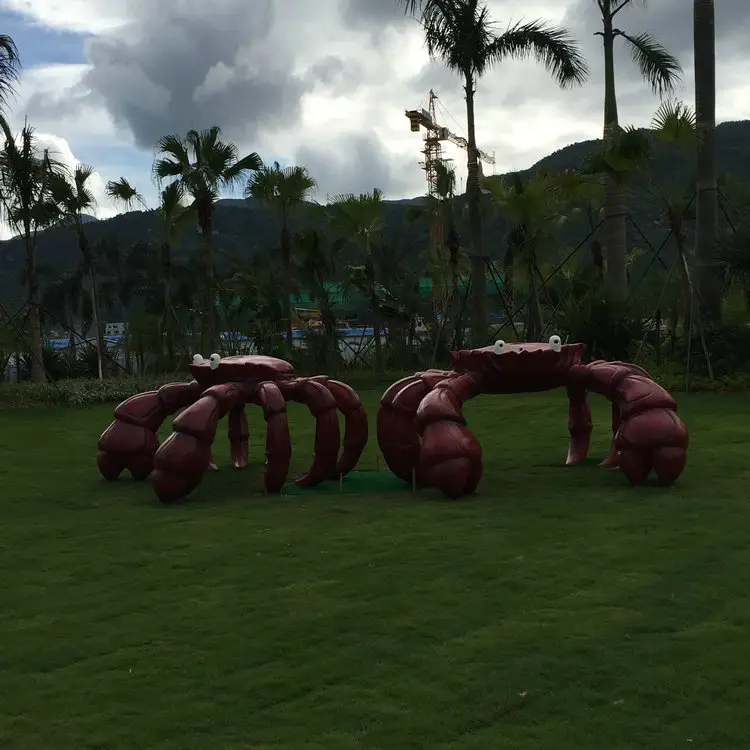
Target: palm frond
(659,69)
(552,46)
(10,66)
(122,191)
(675,122)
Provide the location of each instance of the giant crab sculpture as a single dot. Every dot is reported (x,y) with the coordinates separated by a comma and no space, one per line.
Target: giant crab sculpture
(423,435)
(223,386)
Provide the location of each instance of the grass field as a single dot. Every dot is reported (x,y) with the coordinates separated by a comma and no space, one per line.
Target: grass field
(556,609)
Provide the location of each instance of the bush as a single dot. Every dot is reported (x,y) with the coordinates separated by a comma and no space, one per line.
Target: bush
(728,347)
(79,391)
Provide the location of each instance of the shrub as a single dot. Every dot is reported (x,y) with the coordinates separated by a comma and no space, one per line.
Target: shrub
(79,391)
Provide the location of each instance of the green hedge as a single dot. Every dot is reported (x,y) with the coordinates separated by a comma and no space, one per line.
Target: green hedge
(78,391)
(89,391)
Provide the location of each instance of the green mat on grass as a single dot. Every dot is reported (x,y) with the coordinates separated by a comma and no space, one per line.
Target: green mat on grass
(355,483)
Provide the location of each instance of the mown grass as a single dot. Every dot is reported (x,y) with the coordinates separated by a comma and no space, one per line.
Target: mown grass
(556,609)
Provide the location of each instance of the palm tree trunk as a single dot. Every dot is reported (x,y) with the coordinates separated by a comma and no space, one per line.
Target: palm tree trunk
(708,272)
(88,262)
(286,261)
(38,374)
(209,339)
(479,330)
(536,320)
(615,228)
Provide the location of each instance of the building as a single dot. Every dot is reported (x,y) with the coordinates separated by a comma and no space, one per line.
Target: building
(114,329)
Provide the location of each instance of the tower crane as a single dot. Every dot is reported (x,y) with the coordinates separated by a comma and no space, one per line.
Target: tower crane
(434,135)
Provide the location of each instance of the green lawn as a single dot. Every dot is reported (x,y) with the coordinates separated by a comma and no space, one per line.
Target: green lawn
(556,609)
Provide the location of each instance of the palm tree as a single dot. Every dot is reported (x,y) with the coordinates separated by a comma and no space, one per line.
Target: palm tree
(10,66)
(361,218)
(73,198)
(533,210)
(173,216)
(204,165)
(661,71)
(283,190)
(27,207)
(708,275)
(462,34)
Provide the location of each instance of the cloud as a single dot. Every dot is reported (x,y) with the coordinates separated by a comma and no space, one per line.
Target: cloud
(357,162)
(326,84)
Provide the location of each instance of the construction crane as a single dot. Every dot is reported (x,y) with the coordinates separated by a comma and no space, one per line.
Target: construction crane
(434,135)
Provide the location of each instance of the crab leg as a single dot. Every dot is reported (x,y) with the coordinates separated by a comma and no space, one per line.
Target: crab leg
(397,432)
(322,404)
(278,440)
(350,405)
(450,457)
(130,442)
(238,437)
(579,425)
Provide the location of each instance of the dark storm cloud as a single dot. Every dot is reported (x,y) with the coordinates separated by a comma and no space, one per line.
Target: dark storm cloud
(372,15)
(334,73)
(353,164)
(173,70)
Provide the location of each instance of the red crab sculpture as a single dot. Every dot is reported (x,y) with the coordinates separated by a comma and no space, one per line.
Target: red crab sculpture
(422,432)
(223,386)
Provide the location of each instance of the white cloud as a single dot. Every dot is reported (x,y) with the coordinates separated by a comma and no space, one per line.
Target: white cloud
(88,16)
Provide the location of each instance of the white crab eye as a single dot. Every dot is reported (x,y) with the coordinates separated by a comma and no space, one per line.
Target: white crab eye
(214,360)
(198,359)
(499,347)
(555,342)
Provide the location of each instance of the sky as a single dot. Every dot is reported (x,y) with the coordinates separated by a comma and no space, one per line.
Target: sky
(323,84)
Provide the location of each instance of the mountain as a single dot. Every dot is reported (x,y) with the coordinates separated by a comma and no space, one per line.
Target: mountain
(243,228)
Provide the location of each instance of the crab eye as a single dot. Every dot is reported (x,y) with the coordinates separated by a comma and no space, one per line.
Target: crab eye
(198,359)
(214,361)
(499,347)
(555,342)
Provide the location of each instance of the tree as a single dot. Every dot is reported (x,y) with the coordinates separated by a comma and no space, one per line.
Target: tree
(27,207)
(707,265)
(630,150)
(204,165)
(173,216)
(283,190)
(661,71)
(73,198)
(360,218)
(533,210)
(461,33)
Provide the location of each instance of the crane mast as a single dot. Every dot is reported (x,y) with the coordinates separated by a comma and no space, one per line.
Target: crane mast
(434,135)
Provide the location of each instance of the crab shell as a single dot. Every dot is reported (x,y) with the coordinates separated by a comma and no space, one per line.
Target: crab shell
(521,367)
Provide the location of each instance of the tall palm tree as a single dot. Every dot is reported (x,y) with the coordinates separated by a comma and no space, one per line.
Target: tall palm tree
(661,71)
(205,165)
(462,34)
(708,275)
(361,218)
(283,190)
(172,215)
(26,206)
(73,198)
